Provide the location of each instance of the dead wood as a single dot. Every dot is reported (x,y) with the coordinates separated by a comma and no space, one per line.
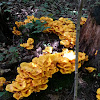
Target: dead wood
(90,33)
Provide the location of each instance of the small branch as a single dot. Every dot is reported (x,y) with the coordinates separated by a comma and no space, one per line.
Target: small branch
(2,71)
(77,49)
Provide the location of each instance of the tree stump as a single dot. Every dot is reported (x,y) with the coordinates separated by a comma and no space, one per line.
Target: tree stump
(90,37)
(90,33)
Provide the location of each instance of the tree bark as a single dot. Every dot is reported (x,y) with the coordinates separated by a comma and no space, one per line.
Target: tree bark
(90,33)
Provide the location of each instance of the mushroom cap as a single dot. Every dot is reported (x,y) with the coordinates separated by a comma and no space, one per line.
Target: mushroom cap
(18,95)
(43,86)
(2,81)
(26,92)
(9,88)
(19,85)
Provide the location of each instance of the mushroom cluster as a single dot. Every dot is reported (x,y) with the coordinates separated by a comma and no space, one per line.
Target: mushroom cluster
(83,20)
(98,94)
(63,27)
(2,82)
(16,32)
(29,44)
(33,76)
(48,49)
(90,69)
(66,62)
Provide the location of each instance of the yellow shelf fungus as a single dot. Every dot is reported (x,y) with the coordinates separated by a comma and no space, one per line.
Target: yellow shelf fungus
(98,94)
(63,27)
(29,44)
(48,50)
(90,69)
(83,20)
(16,32)
(59,27)
(2,81)
(33,76)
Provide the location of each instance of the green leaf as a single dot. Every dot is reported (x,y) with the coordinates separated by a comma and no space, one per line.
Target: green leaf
(12,49)
(50,14)
(43,9)
(44,22)
(33,21)
(84,9)
(21,27)
(16,54)
(56,90)
(46,28)
(98,74)
(8,55)
(67,8)
(36,31)
(29,25)
(25,1)
(46,5)
(1,56)
(38,22)
(85,15)
(7,10)
(5,95)
(9,3)
(60,88)
(2,93)
(37,27)
(12,60)
(41,29)
(5,51)
(1,4)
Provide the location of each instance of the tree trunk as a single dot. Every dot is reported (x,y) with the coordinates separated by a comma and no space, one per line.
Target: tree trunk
(90,38)
(90,33)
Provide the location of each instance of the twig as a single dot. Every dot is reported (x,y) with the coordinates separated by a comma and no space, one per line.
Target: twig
(77,49)
(2,71)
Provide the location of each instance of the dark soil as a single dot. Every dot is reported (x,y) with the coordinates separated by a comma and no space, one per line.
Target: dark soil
(60,87)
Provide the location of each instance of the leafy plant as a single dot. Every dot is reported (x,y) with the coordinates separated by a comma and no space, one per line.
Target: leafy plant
(25,1)
(98,75)
(1,57)
(54,9)
(34,27)
(60,88)
(11,55)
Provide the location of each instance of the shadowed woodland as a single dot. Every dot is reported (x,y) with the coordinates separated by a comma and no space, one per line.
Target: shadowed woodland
(37,50)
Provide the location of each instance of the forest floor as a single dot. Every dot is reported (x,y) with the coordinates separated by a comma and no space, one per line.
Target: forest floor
(58,88)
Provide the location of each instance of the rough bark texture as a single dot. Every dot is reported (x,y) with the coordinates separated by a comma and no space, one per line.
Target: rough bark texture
(90,33)
(90,38)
